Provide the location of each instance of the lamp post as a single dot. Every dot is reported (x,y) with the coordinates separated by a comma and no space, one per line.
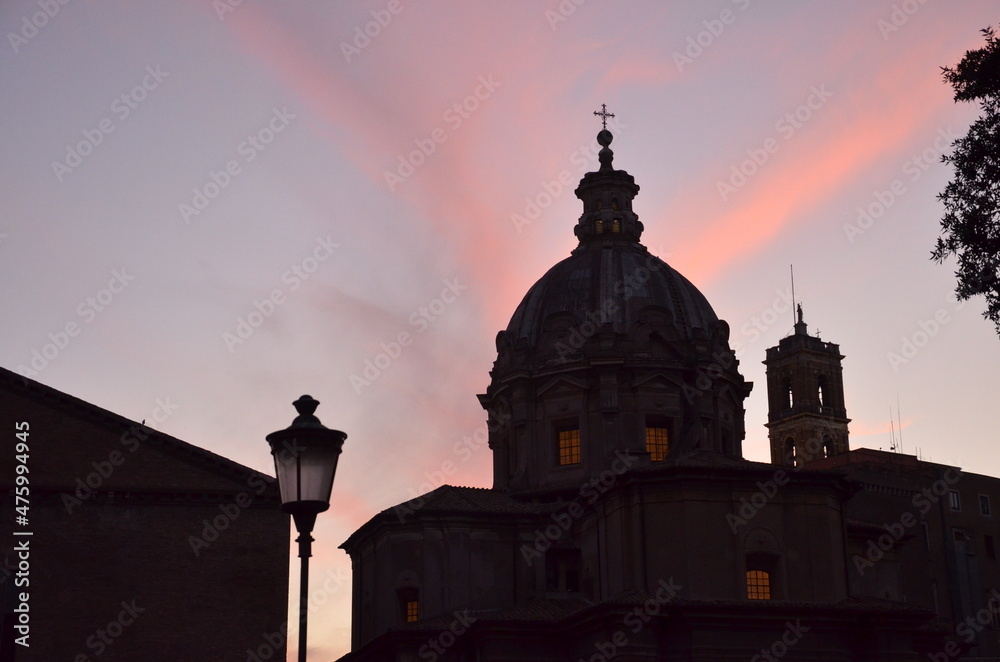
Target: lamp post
(305,461)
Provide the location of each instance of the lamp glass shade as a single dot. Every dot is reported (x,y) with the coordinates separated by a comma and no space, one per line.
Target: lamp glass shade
(305,477)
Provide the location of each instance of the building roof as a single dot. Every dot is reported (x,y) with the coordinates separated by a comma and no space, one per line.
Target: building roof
(15,384)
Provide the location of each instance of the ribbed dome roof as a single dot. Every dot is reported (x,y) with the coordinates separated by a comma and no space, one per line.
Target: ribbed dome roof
(614,283)
(610,278)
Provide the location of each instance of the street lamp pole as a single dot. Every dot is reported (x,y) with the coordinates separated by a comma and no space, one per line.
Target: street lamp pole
(305,551)
(305,463)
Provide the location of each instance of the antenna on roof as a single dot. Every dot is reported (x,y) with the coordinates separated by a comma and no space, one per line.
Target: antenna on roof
(892,432)
(791,270)
(900,422)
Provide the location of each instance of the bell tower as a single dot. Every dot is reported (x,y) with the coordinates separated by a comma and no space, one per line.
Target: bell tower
(806,419)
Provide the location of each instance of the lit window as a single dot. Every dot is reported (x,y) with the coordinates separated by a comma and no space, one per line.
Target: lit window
(409,603)
(656,443)
(758,585)
(984,505)
(616,225)
(954,500)
(599,226)
(569,446)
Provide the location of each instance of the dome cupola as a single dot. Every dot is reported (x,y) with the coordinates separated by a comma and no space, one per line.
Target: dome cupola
(611,357)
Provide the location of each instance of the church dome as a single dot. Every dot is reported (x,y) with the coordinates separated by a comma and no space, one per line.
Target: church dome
(611,352)
(612,287)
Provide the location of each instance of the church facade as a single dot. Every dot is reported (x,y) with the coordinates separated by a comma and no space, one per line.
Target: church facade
(624,523)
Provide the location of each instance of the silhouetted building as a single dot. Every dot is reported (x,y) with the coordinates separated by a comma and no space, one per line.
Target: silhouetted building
(624,522)
(807,416)
(141,546)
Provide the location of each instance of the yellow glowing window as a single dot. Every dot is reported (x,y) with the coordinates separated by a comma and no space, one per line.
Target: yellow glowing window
(656,443)
(412,610)
(569,447)
(758,585)
(616,225)
(599,226)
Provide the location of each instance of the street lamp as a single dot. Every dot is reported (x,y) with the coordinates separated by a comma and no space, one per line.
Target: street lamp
(305,461)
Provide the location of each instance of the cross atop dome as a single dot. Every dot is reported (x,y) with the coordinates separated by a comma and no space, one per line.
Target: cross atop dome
(604,115)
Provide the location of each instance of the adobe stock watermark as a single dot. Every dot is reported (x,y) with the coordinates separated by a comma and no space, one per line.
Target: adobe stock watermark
(898,17)
(634,622)
(219,180)
(786,126)
(724,358)
(768,489)
(453,118)
(564,10)
(563,518)
(122,108)
(792,635)
(30,25)
(758,324)
(87,310)
(551,190)
(87,486)
(364,34)
(223,7)
(440,643)
(464,449)
(912,343)
(969,628)
(748,508)
(293,277)
(580,333)
(922,502)
(104,637)
(421,320)
(273,641)
(698,43)
(231,511)
(911,170)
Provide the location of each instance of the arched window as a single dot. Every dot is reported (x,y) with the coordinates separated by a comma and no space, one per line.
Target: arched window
(599,226)
(787,388)
(616,225)
(828,450)
(789,452)
(822,393)
(760,576)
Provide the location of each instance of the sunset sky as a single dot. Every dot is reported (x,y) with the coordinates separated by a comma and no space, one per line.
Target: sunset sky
(235,203)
